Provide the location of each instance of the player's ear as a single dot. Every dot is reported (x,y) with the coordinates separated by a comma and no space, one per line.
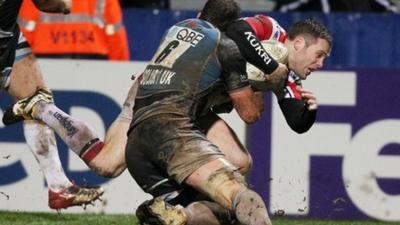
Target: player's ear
(198,15)
(299,42)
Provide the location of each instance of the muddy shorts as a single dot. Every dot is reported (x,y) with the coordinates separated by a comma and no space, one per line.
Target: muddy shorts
(163,151)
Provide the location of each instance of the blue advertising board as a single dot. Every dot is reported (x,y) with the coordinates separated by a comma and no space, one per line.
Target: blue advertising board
(346,167)
(360,40)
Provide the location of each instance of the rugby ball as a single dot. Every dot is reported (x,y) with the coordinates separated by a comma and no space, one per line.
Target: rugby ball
(276,50)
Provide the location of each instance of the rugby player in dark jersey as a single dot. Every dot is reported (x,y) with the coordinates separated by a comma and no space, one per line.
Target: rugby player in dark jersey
(309,44)
(194,65)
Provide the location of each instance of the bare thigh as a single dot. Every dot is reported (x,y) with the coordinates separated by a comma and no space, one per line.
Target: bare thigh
(227,141)
(26,77)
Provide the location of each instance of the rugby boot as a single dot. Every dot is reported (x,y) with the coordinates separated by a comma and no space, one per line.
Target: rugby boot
(74,196)
(24,108)
(10,118)
(158,212)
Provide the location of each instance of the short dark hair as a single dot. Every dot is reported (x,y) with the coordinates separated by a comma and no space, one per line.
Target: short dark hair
(220,12)
(310,27)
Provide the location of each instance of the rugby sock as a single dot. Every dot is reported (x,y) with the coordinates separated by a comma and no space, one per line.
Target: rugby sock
(42,142)
(78,136)
(75,133)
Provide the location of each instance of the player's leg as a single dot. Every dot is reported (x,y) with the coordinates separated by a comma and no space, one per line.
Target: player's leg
(62,192)
(188,157)
(226,187)
(201,164)
(234,202)
(222,135)
(110,162)
(106,158)
(154,182)
(42,143)
(25,79)
(36,102)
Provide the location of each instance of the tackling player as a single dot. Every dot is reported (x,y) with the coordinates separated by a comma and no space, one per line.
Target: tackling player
(308,43)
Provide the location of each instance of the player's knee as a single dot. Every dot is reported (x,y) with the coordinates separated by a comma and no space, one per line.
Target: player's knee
(223,185)
(244,164)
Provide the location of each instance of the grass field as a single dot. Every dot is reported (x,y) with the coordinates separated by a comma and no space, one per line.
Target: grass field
(19,218)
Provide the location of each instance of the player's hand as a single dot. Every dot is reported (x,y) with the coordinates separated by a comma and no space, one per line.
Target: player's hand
(277,79)
(309,99)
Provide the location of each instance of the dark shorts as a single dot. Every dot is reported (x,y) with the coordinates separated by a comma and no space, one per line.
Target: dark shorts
(17,49)
(163,151)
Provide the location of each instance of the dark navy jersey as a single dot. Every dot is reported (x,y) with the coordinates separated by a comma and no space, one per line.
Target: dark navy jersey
(194,66)
(9,13)
(186,60)
(9,33)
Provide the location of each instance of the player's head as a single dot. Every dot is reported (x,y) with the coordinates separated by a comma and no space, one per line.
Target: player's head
(309,43)
(220,12)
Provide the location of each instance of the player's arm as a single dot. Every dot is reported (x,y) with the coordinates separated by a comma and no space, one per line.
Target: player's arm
(54,6)
(250,46)
(299,108)
(252,50)
(248,104)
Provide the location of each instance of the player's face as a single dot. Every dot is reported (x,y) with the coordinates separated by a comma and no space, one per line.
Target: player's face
(309,57)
